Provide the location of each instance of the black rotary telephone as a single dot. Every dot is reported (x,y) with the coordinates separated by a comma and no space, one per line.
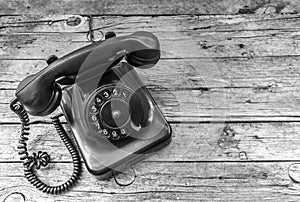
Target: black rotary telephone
(113,118)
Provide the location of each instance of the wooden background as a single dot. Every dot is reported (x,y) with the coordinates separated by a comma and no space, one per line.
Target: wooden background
(228,83)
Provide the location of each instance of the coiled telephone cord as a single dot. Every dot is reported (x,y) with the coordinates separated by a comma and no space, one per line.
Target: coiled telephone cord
(41,159)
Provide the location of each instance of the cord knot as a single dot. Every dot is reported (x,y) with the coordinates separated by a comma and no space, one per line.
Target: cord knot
(36,160)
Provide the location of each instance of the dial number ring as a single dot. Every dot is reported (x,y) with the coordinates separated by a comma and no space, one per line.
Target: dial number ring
(104,100)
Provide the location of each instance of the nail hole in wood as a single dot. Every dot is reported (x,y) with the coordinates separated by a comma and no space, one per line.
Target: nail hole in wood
(243,155)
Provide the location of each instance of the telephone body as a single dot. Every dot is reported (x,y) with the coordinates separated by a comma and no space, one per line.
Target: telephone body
(113,117)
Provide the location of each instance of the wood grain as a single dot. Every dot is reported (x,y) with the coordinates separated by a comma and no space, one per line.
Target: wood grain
(190,142)
(165,181)
(193,73)
(254,77)
(234,90)
(180,36)
(144,7)
(244,105)
(231,67)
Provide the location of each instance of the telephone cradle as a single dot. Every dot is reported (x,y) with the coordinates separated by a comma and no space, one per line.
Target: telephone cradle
(113,118)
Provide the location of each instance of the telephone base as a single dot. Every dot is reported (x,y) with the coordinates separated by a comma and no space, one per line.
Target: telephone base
(103,155)
(110,173)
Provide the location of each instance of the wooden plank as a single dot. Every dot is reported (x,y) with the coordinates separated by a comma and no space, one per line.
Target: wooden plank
(180,36)
(144,7)
(44,23)
(214,105)
(165,181)
(189,73)
(260,84)
(50,24)
(206,45)
(190,142)
(80,23)
(230,90)
(256,71)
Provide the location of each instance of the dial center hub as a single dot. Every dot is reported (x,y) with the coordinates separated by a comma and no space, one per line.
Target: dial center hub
(115,113)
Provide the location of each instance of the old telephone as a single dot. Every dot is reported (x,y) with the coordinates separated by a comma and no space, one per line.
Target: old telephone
(113,118)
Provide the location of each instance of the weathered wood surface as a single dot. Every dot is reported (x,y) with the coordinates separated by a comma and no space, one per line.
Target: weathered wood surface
(154,7)
(215,105)
(190,142)
(166,181)
(239,59)
(207,36)
(238,69)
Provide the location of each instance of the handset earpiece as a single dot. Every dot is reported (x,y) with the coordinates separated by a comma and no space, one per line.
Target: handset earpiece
(145,57)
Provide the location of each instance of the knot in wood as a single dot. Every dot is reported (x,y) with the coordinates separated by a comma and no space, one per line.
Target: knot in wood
(73,21)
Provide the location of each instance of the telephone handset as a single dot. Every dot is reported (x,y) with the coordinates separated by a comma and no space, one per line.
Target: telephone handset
(113,118)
